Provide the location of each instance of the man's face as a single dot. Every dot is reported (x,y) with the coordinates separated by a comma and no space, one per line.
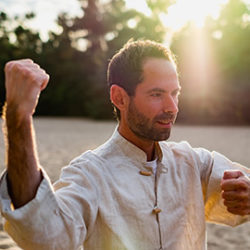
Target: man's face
(153,109)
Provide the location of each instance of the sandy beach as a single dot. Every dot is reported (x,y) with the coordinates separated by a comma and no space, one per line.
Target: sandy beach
(60,140)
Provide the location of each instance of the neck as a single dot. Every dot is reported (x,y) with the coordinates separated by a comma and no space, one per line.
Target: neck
(146,145)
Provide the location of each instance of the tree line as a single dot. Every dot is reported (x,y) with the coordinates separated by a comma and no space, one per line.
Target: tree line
(213,62)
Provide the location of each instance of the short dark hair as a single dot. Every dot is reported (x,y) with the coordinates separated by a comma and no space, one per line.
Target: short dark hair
(126,66)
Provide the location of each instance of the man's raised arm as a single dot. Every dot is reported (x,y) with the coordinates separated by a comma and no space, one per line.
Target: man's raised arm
(24,80)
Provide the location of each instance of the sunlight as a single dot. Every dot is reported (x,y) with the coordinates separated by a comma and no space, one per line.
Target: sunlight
(174,18)
(139,5)
(183,11)
(46,13)
(196,10)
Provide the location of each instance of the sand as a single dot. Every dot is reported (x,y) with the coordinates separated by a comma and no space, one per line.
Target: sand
(60,140)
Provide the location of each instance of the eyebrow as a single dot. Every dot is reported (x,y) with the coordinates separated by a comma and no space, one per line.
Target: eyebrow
(162,90)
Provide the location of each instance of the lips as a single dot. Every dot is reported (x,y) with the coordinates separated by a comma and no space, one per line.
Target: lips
(165,120)
(166,124)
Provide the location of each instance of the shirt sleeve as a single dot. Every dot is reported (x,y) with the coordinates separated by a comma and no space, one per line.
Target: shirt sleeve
(215,211)
(53,219)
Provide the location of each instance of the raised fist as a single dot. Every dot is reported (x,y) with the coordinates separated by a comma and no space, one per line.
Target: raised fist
(24,80)
(236,192)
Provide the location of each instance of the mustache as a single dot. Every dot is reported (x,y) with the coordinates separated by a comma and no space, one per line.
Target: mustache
(166,116)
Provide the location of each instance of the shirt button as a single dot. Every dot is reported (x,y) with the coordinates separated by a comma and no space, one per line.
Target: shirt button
(164,170)
(146,173)
(156,210)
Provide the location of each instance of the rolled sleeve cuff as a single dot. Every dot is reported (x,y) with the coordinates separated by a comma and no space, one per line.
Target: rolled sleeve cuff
(45,191)
(215,210)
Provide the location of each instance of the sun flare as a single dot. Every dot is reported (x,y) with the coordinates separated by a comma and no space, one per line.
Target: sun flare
(183,11)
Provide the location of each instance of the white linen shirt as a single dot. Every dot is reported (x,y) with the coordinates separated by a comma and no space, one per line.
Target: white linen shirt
(109,199)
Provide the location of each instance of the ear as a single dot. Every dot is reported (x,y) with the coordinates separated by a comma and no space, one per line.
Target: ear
(119,97)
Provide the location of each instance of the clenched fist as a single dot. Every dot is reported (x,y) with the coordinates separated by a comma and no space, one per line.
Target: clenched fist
(236,192)
(24,80)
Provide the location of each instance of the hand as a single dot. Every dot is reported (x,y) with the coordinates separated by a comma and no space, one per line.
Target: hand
(236,192)
(24,82)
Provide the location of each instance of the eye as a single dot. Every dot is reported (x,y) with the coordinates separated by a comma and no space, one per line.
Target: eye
(156,94)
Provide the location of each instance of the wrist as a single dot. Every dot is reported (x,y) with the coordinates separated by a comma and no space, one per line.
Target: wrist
(14,116)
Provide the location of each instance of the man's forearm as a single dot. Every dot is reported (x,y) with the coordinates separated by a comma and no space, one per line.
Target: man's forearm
(23,171)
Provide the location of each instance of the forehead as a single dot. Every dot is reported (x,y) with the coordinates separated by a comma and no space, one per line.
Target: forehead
(159,72)
(158,67)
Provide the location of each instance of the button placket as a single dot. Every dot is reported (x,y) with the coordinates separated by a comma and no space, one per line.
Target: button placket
(161,169)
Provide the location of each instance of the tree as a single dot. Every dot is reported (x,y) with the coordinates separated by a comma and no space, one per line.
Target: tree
(103,29)
(19,42)
(220,92)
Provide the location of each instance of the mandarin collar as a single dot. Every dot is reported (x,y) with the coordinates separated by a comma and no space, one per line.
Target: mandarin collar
(131,150)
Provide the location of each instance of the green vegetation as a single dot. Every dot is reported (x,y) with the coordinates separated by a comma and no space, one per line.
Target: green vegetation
(215,78)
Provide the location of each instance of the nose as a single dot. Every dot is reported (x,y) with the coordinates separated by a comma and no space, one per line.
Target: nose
(171,104)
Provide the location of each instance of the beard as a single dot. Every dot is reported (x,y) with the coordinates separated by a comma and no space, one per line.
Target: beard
(146,128)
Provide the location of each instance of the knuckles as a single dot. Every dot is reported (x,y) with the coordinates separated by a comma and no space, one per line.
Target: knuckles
(243,183)
(243,195)
(24,82)
(234,184)
(26,69)
(8,66)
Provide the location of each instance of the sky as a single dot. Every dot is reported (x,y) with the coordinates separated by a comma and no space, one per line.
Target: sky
(47,11)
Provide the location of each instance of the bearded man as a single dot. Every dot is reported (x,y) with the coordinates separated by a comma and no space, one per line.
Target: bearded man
(136,191)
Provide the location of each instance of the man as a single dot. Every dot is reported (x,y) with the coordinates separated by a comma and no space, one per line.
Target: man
(136,191)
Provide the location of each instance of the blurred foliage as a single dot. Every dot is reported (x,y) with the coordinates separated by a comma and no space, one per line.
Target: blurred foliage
(77,58)
(218,91)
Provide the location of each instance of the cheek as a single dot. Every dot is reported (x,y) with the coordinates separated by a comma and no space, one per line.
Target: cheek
(150,107)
